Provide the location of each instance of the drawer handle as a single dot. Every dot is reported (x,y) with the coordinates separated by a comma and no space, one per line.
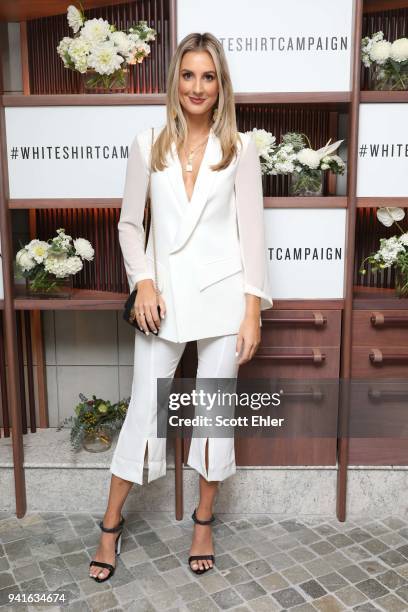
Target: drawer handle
(314,396)
(378,396)
(376,356)
(379,319)
(316,356)
(317,319)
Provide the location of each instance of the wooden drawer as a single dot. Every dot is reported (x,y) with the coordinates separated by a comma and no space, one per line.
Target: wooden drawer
(380,416)
(301,328)
(297,362)
(311,416)
(380,361)
(380,328)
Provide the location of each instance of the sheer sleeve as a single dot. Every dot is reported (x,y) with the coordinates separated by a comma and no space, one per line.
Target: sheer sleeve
(251,229)
(130,225)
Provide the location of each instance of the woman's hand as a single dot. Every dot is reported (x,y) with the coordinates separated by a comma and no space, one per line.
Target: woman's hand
(249,337)
(146,302)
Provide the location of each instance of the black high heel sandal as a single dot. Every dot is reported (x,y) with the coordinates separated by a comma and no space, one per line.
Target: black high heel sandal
(118,545)
(201,557)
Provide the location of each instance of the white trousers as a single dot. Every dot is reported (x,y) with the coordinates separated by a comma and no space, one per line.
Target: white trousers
(155,358)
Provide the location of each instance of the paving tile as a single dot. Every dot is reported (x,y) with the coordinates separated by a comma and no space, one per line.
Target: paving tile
(227,598)
(350,596)
(391,603)
(372,588)
(288,597)
(250,590)
(329,603)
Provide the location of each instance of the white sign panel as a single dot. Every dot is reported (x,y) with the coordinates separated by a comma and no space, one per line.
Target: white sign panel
(306,249)
(382,168)
(295,45)
(73,151)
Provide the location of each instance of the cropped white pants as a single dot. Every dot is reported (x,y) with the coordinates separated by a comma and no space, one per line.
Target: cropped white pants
(155,358)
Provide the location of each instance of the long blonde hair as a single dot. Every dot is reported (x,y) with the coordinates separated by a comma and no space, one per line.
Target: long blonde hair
(224,126)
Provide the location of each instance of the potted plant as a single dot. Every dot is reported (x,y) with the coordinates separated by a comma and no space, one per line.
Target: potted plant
(95,422)
(393,252)
(101,53)
(49,266)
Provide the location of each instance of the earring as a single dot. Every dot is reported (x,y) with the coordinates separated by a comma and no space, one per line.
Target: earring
(215,114)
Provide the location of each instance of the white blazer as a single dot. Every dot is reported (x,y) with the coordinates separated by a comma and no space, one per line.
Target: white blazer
(210,251)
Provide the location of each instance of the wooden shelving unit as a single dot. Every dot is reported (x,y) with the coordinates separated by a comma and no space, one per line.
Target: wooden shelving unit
(356,298)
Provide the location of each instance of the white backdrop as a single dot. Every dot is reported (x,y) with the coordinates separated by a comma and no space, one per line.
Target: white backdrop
(317,237)
(383,150)
(295,45)
(36,137)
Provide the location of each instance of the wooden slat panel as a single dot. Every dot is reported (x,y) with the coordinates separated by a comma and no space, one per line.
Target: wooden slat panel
(368,233)
(47,72)
(392,21)
(318,124)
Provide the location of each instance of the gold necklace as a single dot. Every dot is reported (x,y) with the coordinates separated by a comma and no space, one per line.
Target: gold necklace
(189,165)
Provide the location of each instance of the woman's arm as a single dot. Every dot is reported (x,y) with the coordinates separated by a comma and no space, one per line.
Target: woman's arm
(130,225)
(250,219)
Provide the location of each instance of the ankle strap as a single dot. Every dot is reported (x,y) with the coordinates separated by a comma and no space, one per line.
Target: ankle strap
(196,520)
(112,529)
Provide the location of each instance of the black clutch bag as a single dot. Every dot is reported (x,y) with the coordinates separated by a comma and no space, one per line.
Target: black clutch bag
(129,308)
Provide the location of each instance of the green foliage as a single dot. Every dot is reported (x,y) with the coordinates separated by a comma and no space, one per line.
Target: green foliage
(91,415)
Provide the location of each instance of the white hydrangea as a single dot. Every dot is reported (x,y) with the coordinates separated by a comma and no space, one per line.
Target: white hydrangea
(104,58)
(309,157)
(84,249)
(264,141)
(404,239)
(95,30)
(399,50)
(75,19)
(78,52)
(63,48)
(62,266)
(380,51)
(390,248)
(24,260)
(121,41)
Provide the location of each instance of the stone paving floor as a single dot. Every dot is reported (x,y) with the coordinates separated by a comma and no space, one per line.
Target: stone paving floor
(263,563)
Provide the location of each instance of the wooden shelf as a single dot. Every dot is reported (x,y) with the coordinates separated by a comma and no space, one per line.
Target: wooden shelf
(378,202)
(269,202)
(34,203)
(366,298)
(384,97)
(331,99)
(306,202)
(82,299)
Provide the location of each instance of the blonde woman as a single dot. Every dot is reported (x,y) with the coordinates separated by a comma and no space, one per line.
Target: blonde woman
(207,209)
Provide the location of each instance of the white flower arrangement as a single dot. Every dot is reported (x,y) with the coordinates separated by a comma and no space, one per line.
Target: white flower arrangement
(45,262)
(393,252)
(389,60)
(100,47)
(292,155)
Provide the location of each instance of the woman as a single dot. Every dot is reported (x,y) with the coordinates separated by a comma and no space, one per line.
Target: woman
(207,211)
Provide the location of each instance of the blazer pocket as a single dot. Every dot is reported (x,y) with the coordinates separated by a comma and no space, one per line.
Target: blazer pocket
(215,270)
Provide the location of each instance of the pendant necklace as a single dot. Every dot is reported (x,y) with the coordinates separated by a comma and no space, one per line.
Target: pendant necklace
(189,165)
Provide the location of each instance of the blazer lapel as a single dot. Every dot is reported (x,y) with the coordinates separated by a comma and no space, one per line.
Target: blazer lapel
(191,210)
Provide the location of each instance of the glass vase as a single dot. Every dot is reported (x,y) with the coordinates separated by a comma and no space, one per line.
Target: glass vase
(401,283)
(308,183)
(97,440)
(392,77)
(117,82)
(54,288)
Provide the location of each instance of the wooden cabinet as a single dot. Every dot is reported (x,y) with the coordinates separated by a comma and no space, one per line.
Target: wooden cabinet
(300,345)
(380,402)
